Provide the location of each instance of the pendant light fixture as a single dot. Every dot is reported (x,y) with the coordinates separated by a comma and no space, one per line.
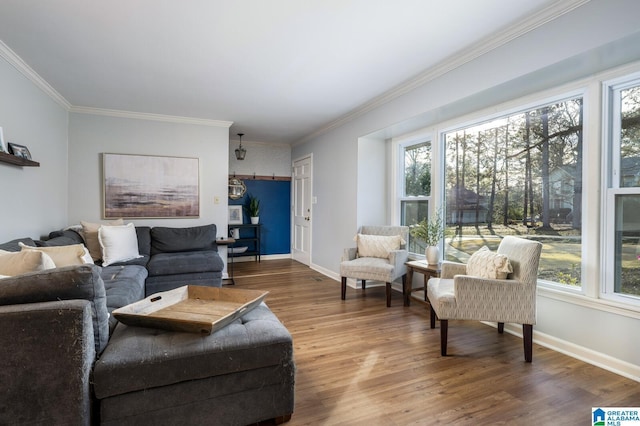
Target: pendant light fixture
(240,151)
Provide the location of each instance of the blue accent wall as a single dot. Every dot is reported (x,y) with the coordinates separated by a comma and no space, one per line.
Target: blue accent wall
(275,216)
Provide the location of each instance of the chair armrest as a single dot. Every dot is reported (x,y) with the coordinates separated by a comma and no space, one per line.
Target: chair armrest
(510,300)
(398,258)
(349,254)
(450,269)
(468,283)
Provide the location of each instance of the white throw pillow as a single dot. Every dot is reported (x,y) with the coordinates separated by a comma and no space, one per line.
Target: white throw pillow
(486,264)
(89,234)
(377,245)
(74,254)
(118,243)
(21,262)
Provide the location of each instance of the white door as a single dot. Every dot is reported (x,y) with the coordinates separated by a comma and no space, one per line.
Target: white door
(301,244)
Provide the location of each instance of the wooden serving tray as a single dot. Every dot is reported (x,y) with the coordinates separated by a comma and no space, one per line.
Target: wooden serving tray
(191,308)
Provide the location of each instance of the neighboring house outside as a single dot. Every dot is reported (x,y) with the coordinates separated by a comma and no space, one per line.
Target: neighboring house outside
(561,190)
(466,207)
(630,172)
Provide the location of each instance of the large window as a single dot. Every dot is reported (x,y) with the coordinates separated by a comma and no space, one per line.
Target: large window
(416,187)
(623,191)
(519,174)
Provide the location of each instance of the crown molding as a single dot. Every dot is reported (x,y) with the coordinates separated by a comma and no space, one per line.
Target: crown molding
(152,117)
(492,42)
(16,61)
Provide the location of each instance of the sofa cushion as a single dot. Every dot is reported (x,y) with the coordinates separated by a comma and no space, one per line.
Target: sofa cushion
(172,240)
(144,240)
(183,263)
(65,237)
(68,283)
(123,285)
(169,282)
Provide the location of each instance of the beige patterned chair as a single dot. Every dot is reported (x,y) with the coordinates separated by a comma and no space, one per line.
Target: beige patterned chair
(376,257)
(456,295)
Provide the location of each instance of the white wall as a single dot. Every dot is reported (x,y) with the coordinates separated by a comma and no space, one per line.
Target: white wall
(596,36)
(372,199)
(91,135)
(33,200)
(263,159)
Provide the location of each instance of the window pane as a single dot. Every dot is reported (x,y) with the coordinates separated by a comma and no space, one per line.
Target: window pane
(417,170)
(627,260)
(519,175)
(630,137)
(413,211)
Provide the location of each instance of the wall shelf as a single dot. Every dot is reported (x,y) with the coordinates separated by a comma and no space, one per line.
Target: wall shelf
(17,161)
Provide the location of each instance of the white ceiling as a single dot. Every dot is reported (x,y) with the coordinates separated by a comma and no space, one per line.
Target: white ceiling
(279,69)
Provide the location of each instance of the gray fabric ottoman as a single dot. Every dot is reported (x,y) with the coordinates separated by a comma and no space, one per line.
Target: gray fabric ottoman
(241,374)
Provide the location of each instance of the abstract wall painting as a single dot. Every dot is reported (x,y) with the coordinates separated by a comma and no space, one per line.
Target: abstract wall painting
(144,186)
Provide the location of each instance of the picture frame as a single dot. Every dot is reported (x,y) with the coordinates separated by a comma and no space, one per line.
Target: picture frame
(235,215)
(19,151)
(3,147)
(145,186)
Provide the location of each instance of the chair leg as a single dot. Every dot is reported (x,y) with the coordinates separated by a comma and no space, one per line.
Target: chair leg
(364,284)
(388,287)
(500,327)
(344,287)
(433,317)
(406,291)
(444,326)
(527,338)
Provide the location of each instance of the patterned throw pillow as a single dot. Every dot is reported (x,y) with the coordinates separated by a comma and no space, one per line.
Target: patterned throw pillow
(377,245)
(486,264)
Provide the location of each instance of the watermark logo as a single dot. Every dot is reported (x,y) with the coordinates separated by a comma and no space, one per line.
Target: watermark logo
(615,416)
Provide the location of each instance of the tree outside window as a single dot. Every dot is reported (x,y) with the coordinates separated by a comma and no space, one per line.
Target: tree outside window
(414,203)
(519,175)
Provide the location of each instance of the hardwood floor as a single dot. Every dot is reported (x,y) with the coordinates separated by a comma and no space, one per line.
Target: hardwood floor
(359,362)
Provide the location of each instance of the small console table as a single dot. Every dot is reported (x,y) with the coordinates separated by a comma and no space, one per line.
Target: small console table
(249,237)
(425,269)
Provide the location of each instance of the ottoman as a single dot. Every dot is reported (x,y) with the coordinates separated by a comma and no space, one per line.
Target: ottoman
(243,373)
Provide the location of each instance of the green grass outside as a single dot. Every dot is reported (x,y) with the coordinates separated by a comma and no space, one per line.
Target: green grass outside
(561,251)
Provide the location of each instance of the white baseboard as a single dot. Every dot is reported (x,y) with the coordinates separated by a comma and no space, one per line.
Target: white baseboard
(262,257)
(604,361)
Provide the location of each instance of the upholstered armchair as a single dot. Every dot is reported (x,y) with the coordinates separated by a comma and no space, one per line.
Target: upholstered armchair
(511,297)
(380,255)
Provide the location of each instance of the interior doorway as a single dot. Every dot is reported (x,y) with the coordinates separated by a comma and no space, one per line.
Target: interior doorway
(302,212)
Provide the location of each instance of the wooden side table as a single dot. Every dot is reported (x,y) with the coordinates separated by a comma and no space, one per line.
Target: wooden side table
(425,269)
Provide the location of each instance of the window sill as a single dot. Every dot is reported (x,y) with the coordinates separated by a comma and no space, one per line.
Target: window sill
(604,305)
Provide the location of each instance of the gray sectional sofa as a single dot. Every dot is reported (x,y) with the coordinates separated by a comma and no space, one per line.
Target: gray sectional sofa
(65,360)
